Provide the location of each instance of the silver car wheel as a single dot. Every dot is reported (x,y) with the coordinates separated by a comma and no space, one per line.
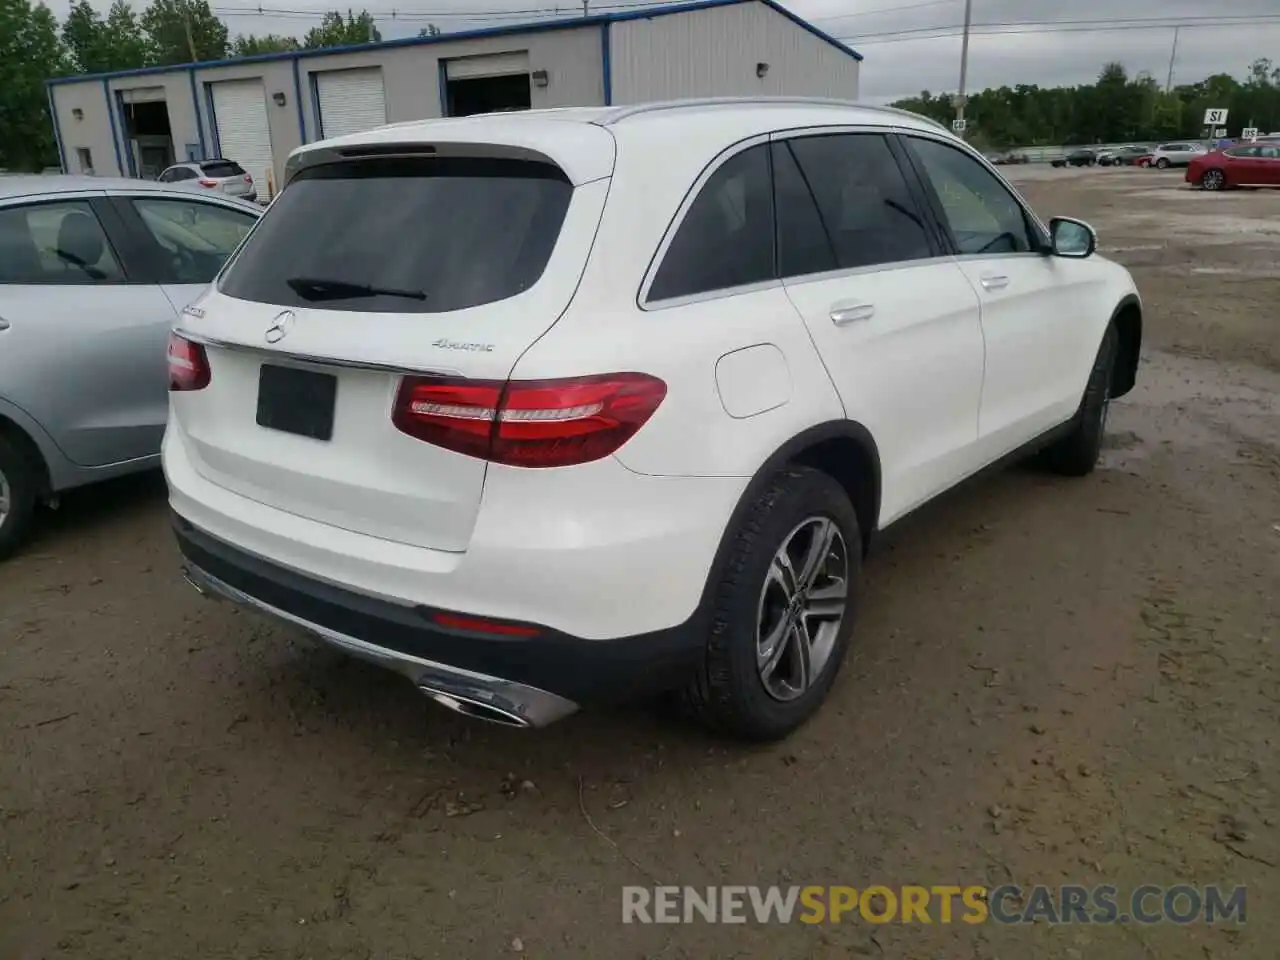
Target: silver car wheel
(1212,180)
(6,498)
(802,606)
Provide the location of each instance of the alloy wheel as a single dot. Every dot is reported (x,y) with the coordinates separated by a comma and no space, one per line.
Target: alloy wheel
(1212,180)
(6,498)
(802,606)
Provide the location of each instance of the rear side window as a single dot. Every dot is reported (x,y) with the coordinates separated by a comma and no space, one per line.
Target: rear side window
(726,237)
(868,214)
(192,237)
(404,235)
(222,168)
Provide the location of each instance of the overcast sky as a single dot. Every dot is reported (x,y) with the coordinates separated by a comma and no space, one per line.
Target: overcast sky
(895,66)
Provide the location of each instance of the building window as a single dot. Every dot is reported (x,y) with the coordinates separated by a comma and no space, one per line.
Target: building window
(86,160)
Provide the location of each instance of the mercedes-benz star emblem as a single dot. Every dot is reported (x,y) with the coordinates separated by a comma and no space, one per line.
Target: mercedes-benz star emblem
(280,326)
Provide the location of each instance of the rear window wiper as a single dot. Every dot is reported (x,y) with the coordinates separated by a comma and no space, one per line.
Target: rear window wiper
(321,288)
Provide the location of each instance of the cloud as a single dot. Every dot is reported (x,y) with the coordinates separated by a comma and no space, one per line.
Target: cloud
(897,66)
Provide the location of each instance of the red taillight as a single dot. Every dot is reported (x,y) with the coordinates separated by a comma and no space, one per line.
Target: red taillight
(531,423)
(188,364)
(248,179)
(208,183)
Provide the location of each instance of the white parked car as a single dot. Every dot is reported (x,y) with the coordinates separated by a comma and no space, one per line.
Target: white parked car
(217,175)
(1178,154)
(555,407)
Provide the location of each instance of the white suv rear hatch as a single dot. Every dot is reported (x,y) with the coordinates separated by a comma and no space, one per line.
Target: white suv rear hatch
(363,271)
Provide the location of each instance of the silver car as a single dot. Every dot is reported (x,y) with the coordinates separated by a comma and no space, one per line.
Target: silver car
(93,274)
(1178,154)
(221,176)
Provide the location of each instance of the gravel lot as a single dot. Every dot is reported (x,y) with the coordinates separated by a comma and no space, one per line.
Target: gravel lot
(1054,682)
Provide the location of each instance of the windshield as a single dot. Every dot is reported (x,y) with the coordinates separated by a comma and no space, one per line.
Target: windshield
(359,235)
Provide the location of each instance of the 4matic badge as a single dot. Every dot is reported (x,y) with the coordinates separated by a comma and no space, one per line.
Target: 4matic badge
(446,344)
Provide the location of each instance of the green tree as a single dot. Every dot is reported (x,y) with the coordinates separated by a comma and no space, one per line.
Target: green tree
(82,33)
(338,31)
(31,51)
(251,46)
(126,42)
(184,31)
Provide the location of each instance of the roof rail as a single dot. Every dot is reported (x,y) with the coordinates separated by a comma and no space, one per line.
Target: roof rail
(621,113)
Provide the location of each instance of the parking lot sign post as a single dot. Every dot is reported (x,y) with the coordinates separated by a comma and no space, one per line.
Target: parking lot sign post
(1215,117)
(1249,133)
(958,125)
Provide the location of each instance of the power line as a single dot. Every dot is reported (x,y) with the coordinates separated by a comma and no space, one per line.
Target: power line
(417,14)
(1057,26)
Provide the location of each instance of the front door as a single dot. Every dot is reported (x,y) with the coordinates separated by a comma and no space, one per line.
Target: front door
(896,322)
(1034,338)
(82,345)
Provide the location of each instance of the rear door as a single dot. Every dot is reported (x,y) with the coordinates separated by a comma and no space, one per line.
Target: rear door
(1036,344)
(895,321)
(82,330)
(361,272)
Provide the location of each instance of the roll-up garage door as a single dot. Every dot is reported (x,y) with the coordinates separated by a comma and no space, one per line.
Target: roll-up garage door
(350,101)
(488,65)
(240,111)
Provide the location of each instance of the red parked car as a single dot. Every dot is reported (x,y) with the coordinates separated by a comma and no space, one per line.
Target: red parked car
(1246,164)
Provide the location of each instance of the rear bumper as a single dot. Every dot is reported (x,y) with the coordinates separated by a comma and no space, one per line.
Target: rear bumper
(535,679)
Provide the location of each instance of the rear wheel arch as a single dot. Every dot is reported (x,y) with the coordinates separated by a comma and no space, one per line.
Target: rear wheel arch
(21,441)
(843,449)
(1127,319)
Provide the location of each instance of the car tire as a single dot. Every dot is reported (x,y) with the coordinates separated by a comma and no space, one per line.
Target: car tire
(1076,454)
(17,497)
(753,683)
(1162,164)
(1213,179)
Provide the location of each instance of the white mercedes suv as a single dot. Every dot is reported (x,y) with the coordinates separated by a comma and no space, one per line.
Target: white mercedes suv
(554,407)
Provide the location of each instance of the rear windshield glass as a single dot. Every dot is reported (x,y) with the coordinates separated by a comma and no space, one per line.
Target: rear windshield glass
(401,235)
(222,168)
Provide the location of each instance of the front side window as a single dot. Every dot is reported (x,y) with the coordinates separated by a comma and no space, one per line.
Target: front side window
(726,237)
(55,243)
(195,238)
(867,212)
(1243,152)
(427,235)
(984,217)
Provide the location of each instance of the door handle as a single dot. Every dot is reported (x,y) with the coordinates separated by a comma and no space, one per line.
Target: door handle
(843,315)
(991,281)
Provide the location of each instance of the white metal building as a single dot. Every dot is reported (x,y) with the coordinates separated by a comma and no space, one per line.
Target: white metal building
(257,109)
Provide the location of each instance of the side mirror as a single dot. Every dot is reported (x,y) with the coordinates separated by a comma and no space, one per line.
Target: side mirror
(1072,238)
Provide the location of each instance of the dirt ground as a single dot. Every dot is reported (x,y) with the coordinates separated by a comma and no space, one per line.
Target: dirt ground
(1053,682)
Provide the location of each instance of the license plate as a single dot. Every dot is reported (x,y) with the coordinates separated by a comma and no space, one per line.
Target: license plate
(296,401)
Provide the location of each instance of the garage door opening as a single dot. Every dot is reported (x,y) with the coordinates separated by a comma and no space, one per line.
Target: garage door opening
(147,134)
(488,95)
(487,84)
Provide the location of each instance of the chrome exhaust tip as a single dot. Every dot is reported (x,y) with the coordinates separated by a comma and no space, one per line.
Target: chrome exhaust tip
(194,583)
(475,709)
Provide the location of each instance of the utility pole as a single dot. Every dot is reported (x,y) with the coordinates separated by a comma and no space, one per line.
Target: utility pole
(191,43)
(964,66)
(1173,55)
(584,7)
